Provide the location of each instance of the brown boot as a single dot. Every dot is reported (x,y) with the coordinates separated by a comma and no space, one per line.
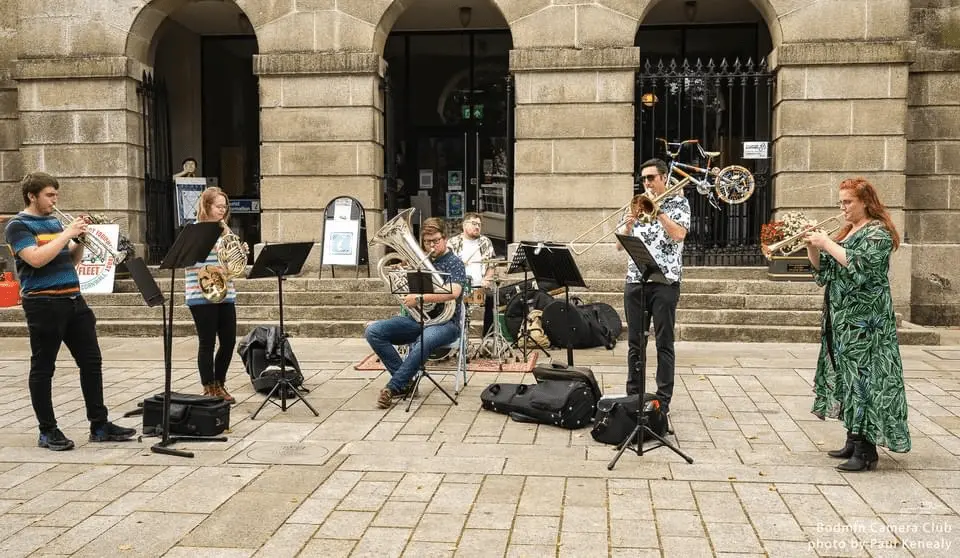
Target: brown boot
(210,390)
(222,392)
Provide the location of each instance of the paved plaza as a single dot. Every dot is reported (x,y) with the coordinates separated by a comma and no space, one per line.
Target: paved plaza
(448,480)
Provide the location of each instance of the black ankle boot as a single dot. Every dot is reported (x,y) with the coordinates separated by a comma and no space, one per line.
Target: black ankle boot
(864,457)
(847,450)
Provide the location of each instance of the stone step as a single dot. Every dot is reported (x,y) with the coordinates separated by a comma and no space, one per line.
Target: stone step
(304,328)
(264,314)
(689,272)
(595,285)
(301,298)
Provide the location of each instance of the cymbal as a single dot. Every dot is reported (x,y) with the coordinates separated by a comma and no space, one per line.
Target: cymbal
(494,262)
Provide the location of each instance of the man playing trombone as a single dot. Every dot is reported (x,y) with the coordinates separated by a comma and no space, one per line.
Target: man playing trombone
(662,231)
(46,256)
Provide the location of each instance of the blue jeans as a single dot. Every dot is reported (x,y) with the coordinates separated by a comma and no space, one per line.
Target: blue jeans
(403,330)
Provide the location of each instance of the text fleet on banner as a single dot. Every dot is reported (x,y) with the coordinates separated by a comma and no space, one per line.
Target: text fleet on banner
(96,275)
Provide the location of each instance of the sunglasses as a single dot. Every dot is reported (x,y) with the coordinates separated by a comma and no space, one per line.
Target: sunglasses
(648,177)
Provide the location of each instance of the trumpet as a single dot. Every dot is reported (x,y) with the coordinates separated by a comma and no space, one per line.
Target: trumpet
(641,207)
(99,249)
(786,245)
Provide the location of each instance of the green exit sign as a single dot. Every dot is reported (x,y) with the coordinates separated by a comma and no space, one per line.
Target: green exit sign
(468,112)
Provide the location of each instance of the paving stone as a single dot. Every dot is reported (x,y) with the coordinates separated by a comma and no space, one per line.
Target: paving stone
(327,548)
(777,526)
(202,491)
(286,541)
(541,496)
(399,514)
(633,533)
(675,495)
(131,535)
(684,547)
(531,550)
(482,543)
(720,507)
(453,498)
(491,516)
(208,552)
(233,524)
(70,514)
(381,542)
(440,527)
(420,549)
(417,487)
(345,525)
(367,496)
(896,492)
(575,544)
(679,523)
(314,511)
(29,539)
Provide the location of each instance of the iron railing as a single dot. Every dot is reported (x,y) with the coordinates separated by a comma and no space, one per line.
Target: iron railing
(157,165)
(723,105)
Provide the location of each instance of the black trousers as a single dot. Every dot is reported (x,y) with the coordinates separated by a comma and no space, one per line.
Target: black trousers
(661,301)
(67,320)
(213,322)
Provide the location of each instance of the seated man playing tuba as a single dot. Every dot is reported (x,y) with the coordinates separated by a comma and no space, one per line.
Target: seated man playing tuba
(383,335)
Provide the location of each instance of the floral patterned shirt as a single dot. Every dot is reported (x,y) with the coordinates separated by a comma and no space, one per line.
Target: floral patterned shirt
(665,251)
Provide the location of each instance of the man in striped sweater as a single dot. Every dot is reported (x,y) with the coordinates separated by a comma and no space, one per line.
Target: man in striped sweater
(46,255)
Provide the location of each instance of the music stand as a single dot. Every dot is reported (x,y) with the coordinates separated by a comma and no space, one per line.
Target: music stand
(649,271)
(421,283)
(519,263)
(280,260)
(152,296)
(192,245)
(554,262)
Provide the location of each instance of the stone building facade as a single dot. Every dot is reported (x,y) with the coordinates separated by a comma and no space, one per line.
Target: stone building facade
(862,88)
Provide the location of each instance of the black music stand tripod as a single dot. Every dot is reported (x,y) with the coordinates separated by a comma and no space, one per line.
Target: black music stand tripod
(192,245)
(421,283)
(519,263)
(650,271)
(280,260)
(554,262)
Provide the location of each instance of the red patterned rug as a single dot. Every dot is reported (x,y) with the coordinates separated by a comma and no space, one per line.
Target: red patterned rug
(371,362)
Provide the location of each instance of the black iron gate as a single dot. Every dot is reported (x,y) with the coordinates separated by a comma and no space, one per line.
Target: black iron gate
(722,105)
(157,174)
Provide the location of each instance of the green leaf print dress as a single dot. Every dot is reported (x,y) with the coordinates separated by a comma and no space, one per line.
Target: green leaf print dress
(859,377)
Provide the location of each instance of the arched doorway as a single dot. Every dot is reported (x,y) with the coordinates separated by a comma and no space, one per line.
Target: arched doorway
(703,75)
(449,114)
(202,103)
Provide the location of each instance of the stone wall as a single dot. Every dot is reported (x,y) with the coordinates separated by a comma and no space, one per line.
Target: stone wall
(10,168)
(933,163)
(321,132)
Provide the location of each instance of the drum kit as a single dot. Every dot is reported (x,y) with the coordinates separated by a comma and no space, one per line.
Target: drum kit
(493,345)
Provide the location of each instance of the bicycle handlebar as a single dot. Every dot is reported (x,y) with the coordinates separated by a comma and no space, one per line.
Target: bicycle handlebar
(676,145)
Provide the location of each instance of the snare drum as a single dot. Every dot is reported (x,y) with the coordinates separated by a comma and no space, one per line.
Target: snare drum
(475,296)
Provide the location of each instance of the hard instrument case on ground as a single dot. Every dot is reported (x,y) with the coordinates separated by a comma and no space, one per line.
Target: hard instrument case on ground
(195,415)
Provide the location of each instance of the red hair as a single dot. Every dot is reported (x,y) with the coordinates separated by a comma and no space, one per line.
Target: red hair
(867,194)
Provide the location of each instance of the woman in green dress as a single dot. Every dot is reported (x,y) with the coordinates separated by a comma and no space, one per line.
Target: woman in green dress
(859,377)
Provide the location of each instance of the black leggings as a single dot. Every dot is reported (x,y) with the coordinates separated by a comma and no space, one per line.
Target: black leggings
(215,321)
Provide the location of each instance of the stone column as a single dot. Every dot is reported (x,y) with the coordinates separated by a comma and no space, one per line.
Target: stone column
(933,186)
(80,122)
(322,137)
(574,150)
(10,169)
(840,112)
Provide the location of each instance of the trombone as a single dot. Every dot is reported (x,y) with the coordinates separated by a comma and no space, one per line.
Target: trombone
(642,208)
(99,248)
(784,247)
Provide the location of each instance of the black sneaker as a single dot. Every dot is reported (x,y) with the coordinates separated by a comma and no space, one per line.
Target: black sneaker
(109,432)
(54,440)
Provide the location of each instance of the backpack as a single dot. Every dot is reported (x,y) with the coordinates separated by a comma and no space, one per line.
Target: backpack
(582,325)
(616,418)
(260,352)
(535,338)
(536,300)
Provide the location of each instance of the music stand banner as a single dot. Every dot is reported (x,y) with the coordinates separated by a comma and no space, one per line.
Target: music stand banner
(97,275)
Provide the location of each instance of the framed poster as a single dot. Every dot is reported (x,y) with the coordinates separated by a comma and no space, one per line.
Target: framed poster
(341,238)
(187,193)
(454,205)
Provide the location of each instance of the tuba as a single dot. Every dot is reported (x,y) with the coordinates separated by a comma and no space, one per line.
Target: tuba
(397,234)
(232,260)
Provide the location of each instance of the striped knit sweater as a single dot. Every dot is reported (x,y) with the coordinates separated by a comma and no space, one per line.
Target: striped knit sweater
(193,293)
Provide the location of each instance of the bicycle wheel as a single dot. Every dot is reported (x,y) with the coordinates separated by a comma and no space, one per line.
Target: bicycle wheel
(735,184)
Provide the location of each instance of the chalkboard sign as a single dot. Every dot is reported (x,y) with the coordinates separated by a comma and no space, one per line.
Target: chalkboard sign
(344,235)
